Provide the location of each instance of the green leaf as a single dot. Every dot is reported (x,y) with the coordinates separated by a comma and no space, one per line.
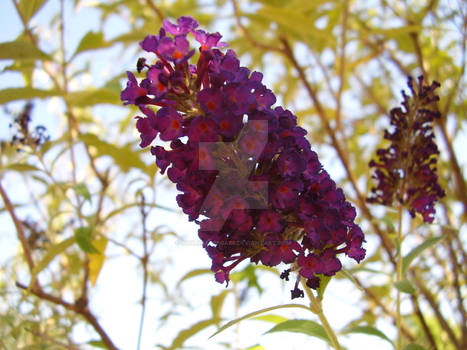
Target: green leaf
(405,286)
(296,22)
(216,303)
(256,347)
(368,330)
(28,8)
(323,283)
(91,41)
(83,237)
(271,318)
(124,156)
(93,97)
(308,327)
(82,190)
(20,50)
(193,273)
(407,260)
(21,167)
(397,31)
(25,93)
(414,346)
(187,333)
(97,344)
(251,314)
(52,252)
(344,273)
(249,274)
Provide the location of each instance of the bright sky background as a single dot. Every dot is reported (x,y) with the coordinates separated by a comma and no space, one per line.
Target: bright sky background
(115,298)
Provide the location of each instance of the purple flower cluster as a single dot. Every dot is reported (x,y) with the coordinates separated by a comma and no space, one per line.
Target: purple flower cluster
(246,173)
(406,170)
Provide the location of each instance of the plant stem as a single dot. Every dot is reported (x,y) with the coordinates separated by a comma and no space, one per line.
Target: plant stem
(399,278)
(316,308)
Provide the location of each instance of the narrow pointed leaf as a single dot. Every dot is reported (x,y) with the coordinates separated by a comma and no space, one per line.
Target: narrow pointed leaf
(187,333)
(369,331)
(247,316)
(29,8)
(407,260)
(414,346)
(405,286)
(96,261)
(49,256)
(84,239)
(20,50)
(91,41)
(308,327)
(193,273)
(25,93)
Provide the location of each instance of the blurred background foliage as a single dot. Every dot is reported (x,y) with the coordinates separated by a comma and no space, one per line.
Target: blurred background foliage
(78,193)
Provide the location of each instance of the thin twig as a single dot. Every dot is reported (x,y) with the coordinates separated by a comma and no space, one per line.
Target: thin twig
(247,35)
(156,10)
(19,228)
(436,310)
(425,327)
(78,308)
(342,56)
(144,263)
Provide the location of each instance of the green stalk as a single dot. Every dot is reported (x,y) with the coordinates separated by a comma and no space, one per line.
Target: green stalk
(316,308)
(399,278)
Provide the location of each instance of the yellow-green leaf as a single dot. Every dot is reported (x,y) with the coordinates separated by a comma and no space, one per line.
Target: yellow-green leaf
(52,252)
(407,260)
(93,97)
(96,261)
(20,50)
(308,327)
(258,312)
(92,41)
(187,333)
(25,93)
(369,331)
(83,237)
(123,156)
(29,8)
(21,167)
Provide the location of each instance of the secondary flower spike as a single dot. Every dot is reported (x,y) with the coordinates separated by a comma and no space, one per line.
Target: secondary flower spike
(406,170)
(246,173)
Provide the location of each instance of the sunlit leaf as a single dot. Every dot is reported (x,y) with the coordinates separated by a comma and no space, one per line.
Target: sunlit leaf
(91,41)
(193,273)
(307,327)
(97,344)
(407,260)
(216,303)
(125,157)
(187,333)
(25,93)
(368,330)
(20,50)
(323,283)
(405,286)
(83,237)
(93,97)
(21,167)
(52,252)
(82,190)
(271,318)
(29,8)
(414,346)
(252,314)
(96,261)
